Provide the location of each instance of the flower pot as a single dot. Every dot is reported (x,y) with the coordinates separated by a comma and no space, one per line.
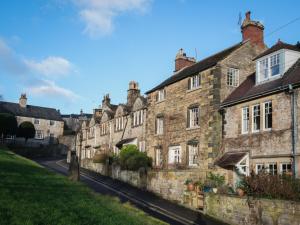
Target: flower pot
(240,192)
(215,190)
(190,187)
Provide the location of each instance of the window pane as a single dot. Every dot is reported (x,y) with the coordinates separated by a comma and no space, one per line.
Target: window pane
(256,118)
(245,120)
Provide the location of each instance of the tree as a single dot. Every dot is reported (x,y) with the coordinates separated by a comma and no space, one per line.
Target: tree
(26,130)
(8,124)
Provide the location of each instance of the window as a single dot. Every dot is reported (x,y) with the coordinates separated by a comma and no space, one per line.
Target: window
(245,120)
(39,134)
(274,65)
(256,118)
(138,118)
(259,168)
(272,168)
(91,132)
(233,77)
(119,123)
(159,125)
(243,165)
(193,117)
(10,137)
(268,115)
(193,155)
(194,82)
(158,157)
(142,146)
(264,69)
(286,168)
(161,95)
(174,155)
(52,122)
(104,129)
(36,121)
(116,150)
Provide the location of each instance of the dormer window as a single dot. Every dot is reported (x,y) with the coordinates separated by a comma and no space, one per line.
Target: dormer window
(274,65)
(269,67)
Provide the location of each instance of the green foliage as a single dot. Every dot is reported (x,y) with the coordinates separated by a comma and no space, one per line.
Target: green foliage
(30,194)
(214,180)
(8,124)
(132,159)
(26,130)
(188,181)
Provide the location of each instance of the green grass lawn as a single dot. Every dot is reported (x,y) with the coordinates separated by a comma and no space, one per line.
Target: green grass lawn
(30,194)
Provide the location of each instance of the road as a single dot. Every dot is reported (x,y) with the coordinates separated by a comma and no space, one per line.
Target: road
(146,201)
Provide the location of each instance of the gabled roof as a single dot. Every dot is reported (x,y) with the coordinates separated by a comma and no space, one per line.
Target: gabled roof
(248,90)
(197,67)
(230,159)
(30,111)
(278,46)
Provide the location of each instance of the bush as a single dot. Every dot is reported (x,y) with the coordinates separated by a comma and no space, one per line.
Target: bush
(132,159)
(214,180)
(8,124)
(271,186)
(26,130)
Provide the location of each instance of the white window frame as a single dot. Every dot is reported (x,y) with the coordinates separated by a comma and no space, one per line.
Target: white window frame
(240,166)
(266,64)
(36,121)
(194,117)
(265,113)
(116,150)
(175,155)
(138,118)
(257,169)
(253,118)
(233,77)
(39,135)
(159,125)
(142,146)
(245,119)
(158,157)
(268,167)
(193,151)
(285,163)
(195,82)
(119,123)
(161,95)
(274,62)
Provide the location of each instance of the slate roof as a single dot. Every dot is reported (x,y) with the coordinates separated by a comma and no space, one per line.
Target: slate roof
(278,46)
(248,90)
(30,111)
(197,67)
(230,159)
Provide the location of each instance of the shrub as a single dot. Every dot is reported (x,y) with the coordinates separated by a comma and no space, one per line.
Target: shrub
(214,180)
(26,130)
(8,124)
(132,159)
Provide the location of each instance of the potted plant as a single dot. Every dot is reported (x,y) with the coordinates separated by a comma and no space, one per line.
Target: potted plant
(189,184)
(214,181)
(240,188)
(198,186)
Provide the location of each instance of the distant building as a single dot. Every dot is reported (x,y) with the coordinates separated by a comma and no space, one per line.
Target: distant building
(47,121)
(72,120)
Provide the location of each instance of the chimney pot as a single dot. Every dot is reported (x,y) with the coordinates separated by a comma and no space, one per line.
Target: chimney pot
(182,60)
(248,14)
(23,100)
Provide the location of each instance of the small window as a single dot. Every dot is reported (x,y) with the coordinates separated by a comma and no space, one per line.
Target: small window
(104,128)
(259,168)
(92,132)
(174,155)
(142,146)
(286,168)
(193,154)
(193,117)
(274,65)
(119,123)
(36,121)
(159,125)
(245,120)
(194,82)
(268,115)
(272,168)
(52,122)
(138,118)
(256,118)
(39,134)
(233,77)
(264,69)
(158,157)
(161,95)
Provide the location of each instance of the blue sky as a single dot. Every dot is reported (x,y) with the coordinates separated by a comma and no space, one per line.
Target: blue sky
(67,54)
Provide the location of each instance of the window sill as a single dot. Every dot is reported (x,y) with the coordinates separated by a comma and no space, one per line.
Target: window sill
(194,89)
(157,102)
(193,128)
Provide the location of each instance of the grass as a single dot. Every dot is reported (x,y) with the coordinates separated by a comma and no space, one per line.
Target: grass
(31,195)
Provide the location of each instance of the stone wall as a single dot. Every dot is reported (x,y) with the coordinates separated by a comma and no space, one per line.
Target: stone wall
(244,211)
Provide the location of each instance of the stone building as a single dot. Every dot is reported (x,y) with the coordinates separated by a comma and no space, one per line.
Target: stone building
(113,126)
(184,125)
(261,116)
(47,121)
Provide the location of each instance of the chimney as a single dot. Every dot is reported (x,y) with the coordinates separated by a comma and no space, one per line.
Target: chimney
(106,101)
(253,31)
(132,93)
(23,100)
(182,60)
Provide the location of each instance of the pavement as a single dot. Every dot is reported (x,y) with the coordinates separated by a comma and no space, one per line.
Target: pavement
(150,203)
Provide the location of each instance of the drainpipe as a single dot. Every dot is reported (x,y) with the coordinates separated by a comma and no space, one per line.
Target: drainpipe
(294,128)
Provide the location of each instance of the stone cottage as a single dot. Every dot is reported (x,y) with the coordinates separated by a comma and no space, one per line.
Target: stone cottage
(261,116)
(184,125)
(47,122)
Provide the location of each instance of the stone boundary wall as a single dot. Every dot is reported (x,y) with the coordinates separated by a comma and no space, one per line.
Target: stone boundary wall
(249,211)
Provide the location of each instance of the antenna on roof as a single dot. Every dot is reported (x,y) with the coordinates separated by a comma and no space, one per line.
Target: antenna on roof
(196,54)
(240,19)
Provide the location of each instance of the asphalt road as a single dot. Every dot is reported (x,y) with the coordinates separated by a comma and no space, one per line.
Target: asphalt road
(146,201)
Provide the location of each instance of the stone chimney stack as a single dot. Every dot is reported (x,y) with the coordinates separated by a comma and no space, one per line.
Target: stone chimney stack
(23,101)
(132,93)
(253,31)
(106,101)
(182,60)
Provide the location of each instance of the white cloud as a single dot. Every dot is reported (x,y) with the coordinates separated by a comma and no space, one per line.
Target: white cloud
(49,88)
(50,66)
(99,15)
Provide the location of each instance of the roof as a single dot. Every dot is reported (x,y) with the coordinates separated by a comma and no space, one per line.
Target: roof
(124,141)
(30,111)
(76,116)
(230,159)
(278,46)
(197,67)
(248,90)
